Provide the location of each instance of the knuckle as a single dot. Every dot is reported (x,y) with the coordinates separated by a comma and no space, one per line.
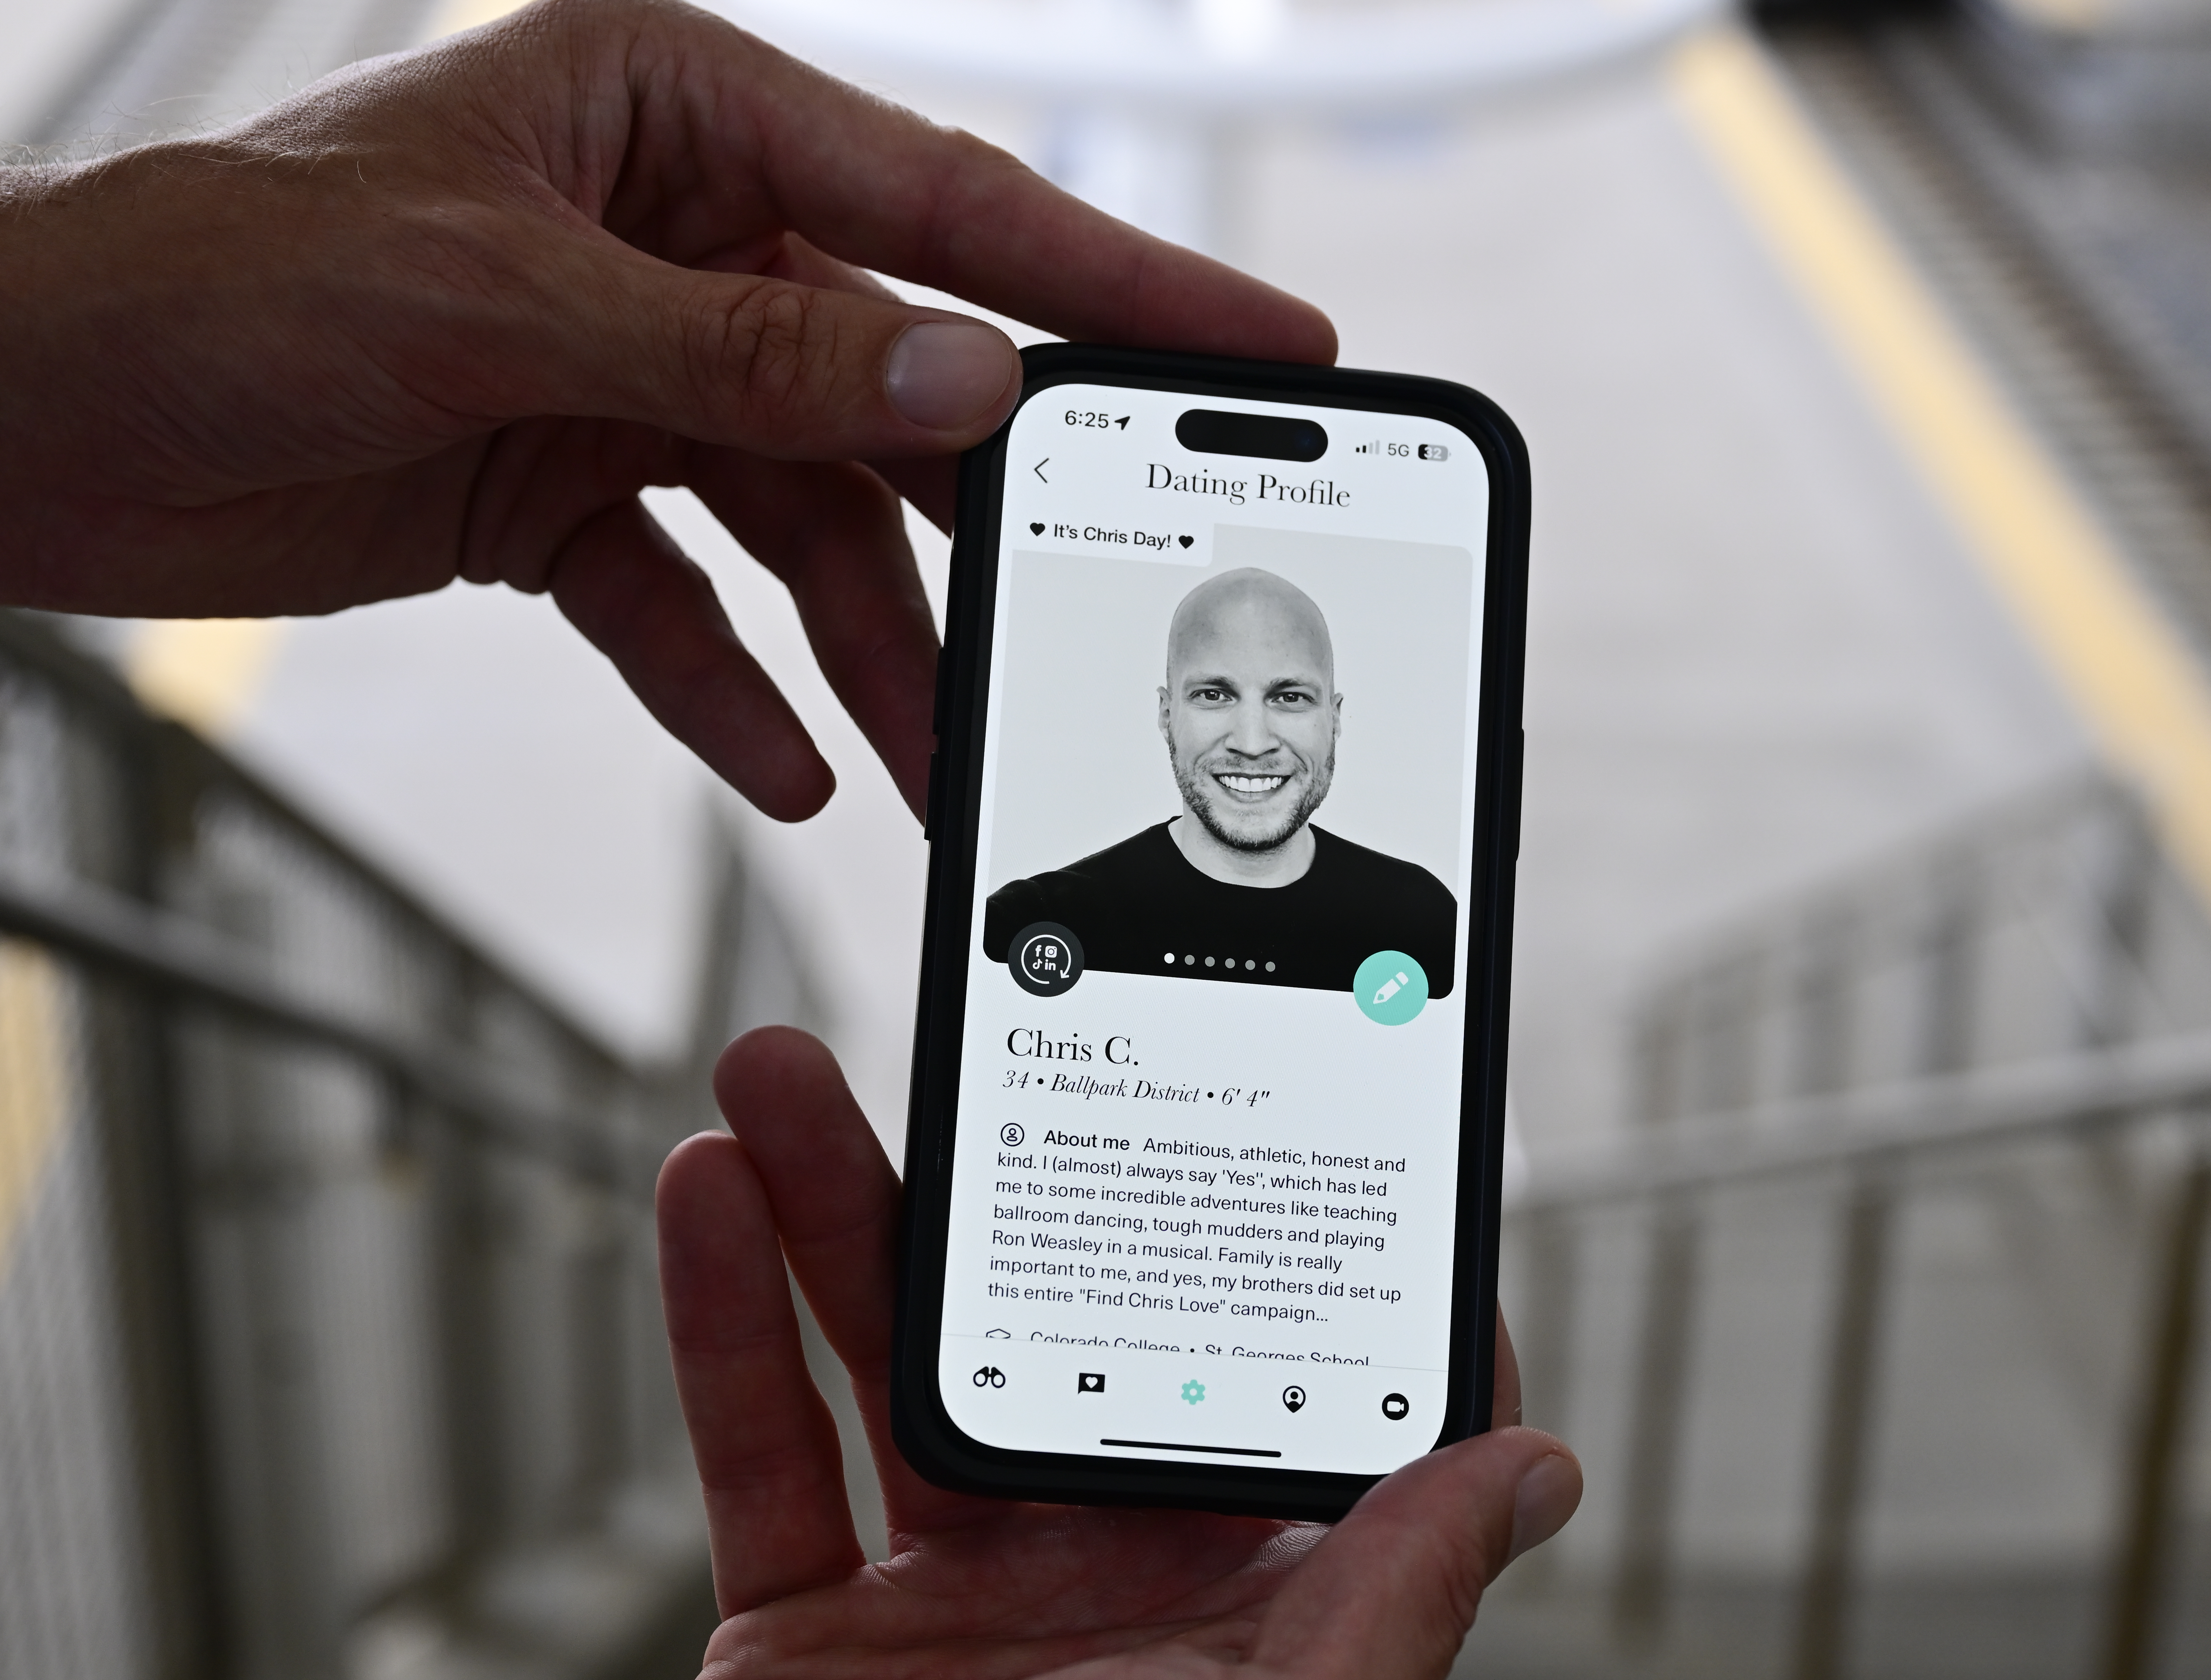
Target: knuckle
(766,349)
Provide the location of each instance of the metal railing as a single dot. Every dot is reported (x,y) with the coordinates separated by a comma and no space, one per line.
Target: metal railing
(329,1346)
(1881,1334)
(329,1343)
(2102,1162)
(2053,923)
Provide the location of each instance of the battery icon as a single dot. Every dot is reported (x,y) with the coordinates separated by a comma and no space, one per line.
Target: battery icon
(1434,451)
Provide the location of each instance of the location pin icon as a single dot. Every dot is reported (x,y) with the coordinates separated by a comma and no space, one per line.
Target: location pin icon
(1293,1397)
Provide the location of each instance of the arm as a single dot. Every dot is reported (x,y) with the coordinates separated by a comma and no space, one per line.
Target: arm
(443,315)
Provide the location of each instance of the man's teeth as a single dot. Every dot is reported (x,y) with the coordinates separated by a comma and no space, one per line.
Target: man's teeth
(1253,784)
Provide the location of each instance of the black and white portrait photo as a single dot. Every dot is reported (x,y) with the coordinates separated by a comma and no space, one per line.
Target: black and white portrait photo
(1236,865)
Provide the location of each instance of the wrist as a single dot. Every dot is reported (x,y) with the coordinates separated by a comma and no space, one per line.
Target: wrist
(92,258)
(31,263)
(64,356)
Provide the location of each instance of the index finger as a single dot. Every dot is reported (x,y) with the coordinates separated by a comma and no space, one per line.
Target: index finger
(890,191)
(766,1445)
(835,1202)
(699,139)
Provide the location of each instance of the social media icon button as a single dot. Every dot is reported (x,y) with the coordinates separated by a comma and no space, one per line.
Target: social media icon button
(1046,959)
(1394,1407)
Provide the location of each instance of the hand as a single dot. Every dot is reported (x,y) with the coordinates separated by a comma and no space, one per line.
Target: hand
(444,314)
(980,1588)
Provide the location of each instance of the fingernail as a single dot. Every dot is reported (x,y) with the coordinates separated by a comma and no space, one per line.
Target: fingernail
(1546,1497)
(948,374)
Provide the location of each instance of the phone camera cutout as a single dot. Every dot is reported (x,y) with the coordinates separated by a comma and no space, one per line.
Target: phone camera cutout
(1271,437)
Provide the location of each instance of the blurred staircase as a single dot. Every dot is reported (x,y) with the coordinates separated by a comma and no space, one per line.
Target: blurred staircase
(1881,1336)
(331,1345)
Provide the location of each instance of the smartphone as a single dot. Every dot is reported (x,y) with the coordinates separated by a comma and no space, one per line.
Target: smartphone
(1209,1084)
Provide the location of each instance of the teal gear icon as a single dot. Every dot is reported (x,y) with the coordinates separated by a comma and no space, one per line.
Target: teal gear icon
(1193,1392)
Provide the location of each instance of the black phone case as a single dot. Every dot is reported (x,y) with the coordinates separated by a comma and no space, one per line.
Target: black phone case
(924,1432)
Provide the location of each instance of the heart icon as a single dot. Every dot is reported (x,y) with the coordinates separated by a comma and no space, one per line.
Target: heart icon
(1036,528)
(1185,540)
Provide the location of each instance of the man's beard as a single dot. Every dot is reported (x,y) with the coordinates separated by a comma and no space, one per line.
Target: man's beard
(1196,794)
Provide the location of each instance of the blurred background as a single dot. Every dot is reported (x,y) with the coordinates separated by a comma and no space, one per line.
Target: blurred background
(355,972)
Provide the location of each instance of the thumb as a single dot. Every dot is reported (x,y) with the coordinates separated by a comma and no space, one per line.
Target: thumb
(771,366)
(1393,1589)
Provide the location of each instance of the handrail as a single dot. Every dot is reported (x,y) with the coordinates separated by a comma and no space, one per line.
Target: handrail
(450,1188)
(2052,1096)
(176,954)
(1889,872)
(1925,1023)
(1862,1140)
(25,640)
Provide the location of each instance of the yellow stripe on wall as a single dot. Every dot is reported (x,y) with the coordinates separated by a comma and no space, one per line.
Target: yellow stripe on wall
(458,14)
(2130,673)
(202,671)
(31,1082)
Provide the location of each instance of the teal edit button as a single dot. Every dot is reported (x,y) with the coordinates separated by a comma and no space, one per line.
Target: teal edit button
(1390,988)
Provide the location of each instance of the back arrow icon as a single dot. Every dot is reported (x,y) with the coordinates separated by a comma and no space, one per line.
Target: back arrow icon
(1038,469)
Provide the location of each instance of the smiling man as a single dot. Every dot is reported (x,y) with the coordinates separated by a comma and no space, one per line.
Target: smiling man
(1242,886)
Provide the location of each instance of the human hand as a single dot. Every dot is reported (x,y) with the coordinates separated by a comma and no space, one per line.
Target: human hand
(444,314)
(980,1587)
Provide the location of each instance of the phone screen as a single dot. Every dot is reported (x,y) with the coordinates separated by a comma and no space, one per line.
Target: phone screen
(1204,1179)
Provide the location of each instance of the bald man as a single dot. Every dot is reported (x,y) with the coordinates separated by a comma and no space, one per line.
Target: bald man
(1241,886)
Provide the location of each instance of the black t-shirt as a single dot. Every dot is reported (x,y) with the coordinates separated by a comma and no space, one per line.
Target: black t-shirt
(1139,909)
